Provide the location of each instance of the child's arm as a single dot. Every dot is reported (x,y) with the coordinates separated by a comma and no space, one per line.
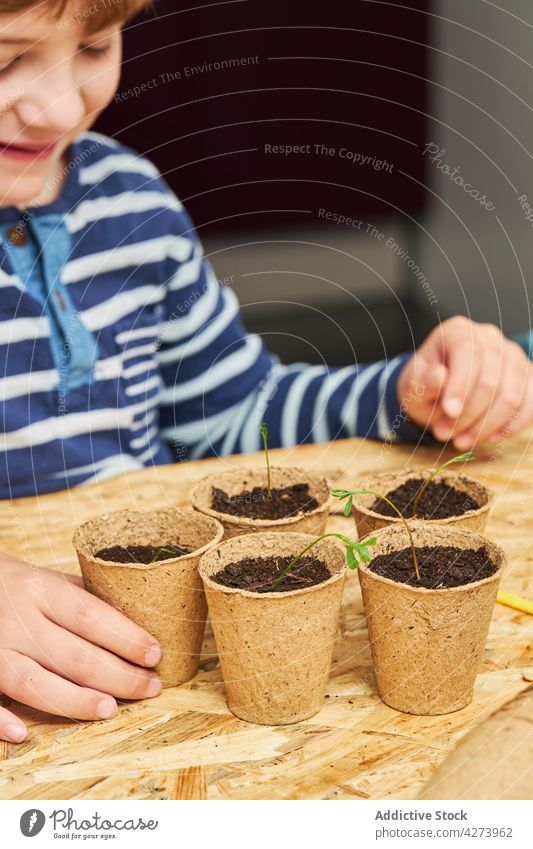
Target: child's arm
(221,383)
(466,382)
(64,651)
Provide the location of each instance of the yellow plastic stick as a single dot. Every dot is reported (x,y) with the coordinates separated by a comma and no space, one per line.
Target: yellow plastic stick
(510,600)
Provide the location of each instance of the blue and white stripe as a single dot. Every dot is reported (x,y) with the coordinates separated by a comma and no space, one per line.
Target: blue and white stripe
(174,374)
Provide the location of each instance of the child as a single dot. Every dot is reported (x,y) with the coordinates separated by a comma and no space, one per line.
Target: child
(120,351)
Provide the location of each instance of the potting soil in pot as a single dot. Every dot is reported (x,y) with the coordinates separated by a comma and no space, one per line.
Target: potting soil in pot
(257,504)
(258,574)
(439,500)
(146,554)
(440,566)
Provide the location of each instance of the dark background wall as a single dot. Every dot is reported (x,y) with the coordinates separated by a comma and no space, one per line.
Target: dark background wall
(205,91)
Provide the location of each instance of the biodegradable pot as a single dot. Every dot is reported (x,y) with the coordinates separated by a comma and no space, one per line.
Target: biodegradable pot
(427,645)
(275,648)
(240,480)
(166,598)
(368,521)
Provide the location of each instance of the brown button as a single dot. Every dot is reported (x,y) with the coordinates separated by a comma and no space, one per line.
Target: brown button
(17,236)
(60,300)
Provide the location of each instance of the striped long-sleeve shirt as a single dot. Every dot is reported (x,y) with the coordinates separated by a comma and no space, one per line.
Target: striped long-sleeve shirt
(120,349)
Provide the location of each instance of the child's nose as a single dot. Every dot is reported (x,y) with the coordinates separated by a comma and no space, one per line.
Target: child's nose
(55,105)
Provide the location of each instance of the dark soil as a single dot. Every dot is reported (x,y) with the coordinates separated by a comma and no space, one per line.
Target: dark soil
(255,503)
(439,501)
(439,566)
(257,574)
(140,553)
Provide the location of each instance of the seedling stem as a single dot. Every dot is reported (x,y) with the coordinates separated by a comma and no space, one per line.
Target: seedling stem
(159,552)
(349,493)
(353,551)
(461,458)
(264,435)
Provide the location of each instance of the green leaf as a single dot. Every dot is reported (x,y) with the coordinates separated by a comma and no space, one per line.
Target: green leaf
(340,493)
(351,559)
(348,507)
(363,551)
(466,457)
(161,551)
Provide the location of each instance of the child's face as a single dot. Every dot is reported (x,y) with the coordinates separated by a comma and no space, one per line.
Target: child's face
(53,86)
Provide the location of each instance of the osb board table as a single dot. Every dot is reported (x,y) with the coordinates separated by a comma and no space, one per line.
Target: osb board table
(185,744)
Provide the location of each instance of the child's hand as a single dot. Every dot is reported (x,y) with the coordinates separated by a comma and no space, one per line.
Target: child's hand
(62,649)
(467,382)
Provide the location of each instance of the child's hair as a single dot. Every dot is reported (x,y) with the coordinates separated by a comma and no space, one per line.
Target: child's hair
(97,14)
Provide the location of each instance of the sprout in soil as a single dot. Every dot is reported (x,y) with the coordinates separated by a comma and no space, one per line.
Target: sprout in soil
(349,493)
(264,436)
(459,459)
(355,551)
(161,551)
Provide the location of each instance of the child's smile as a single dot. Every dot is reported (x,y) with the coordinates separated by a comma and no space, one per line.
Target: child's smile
(27,153)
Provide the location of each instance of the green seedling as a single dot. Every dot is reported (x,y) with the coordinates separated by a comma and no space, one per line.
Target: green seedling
(349,494)
(461,458)
(355,551)
(161,551)
(264,436)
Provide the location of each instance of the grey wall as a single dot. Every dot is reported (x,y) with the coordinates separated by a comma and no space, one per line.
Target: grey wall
(478,260)
(481,260)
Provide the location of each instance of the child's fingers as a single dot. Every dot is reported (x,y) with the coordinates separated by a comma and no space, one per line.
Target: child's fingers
(80,661)
(21,678)
(481,386)
(452,344)
(434,381)
(479,395)
(425,386)
(419,387)
(511,407)
(464,366)
(75,579)
(94,620)
(12,730)
(524,417)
